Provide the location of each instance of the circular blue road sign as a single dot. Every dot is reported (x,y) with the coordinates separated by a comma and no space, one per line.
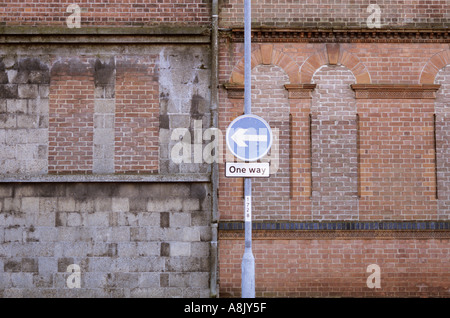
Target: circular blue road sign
(249,137)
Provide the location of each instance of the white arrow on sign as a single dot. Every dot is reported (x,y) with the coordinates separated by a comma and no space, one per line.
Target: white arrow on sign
(239,137)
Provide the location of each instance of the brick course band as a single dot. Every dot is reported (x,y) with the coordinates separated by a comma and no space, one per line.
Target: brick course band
(346,36)
(341,230)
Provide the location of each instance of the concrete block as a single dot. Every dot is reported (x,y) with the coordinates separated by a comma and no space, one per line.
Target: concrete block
(103,204)
(5,281)
(27,121)
(16,106)
(7,121)
(200,249)
(103,165)
(149,280)
(2,136)
(180,121)
(48,205)
(179,279)
(28,90)
(97,219)
(94,279)
(180,219)
(66,204)
(180,249)
(199,280)
(191,205)
(36,136)
(138,233)
(74,219)
(105,106)
(120,205)
(120,234)
(47,265)
(167,205)
(43,281)
(147,249)
(30,204)
(103,136)
(149,219)
(44,91)
(22,280)
(13,235)
(45,219)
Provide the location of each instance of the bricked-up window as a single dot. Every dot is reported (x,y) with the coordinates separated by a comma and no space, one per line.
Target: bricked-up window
(269,100)
(71,113)
(334,145)
(397,159)
(442,111)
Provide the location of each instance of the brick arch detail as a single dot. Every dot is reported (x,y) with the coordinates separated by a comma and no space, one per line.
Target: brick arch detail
(332,55)
(437,62)
(265,54)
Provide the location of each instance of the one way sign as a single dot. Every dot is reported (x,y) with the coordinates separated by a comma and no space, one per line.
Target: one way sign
(249,137)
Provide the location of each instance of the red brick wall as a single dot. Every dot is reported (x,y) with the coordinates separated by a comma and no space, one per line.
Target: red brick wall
(334,146)
(337,268)
(396,178)
(71,113)
(396,136)
(137,115)
(312,13)
(397,160)
(106,13)
(442,111)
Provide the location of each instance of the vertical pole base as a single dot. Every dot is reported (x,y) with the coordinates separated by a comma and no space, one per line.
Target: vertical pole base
(248,274)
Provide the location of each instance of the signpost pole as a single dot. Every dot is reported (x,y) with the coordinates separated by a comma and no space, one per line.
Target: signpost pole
(248,260)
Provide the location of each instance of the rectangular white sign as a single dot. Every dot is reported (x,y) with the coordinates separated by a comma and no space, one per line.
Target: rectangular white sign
(247,170)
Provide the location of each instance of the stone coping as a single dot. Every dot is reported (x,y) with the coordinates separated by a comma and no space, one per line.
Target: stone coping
(191,177)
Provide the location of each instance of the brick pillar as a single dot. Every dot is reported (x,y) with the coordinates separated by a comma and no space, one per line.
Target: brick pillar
(300,157)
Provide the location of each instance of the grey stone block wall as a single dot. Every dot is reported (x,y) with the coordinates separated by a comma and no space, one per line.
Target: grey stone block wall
(129,240)
(24,89)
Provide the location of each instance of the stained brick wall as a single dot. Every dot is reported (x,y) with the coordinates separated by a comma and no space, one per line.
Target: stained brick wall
(442,111)
(338,268)
(136,119)
(397,160)
(106,13)
(386,156)
(71,117)
(334,145)
(338,14)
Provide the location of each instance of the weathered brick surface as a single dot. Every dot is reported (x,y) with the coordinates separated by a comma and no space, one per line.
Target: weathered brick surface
(337,268)
(334,146)
(342,14)
(395,173)
(113,232)
(396,147)
(136,120)
(107,13)
(71,117)
(442,111)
